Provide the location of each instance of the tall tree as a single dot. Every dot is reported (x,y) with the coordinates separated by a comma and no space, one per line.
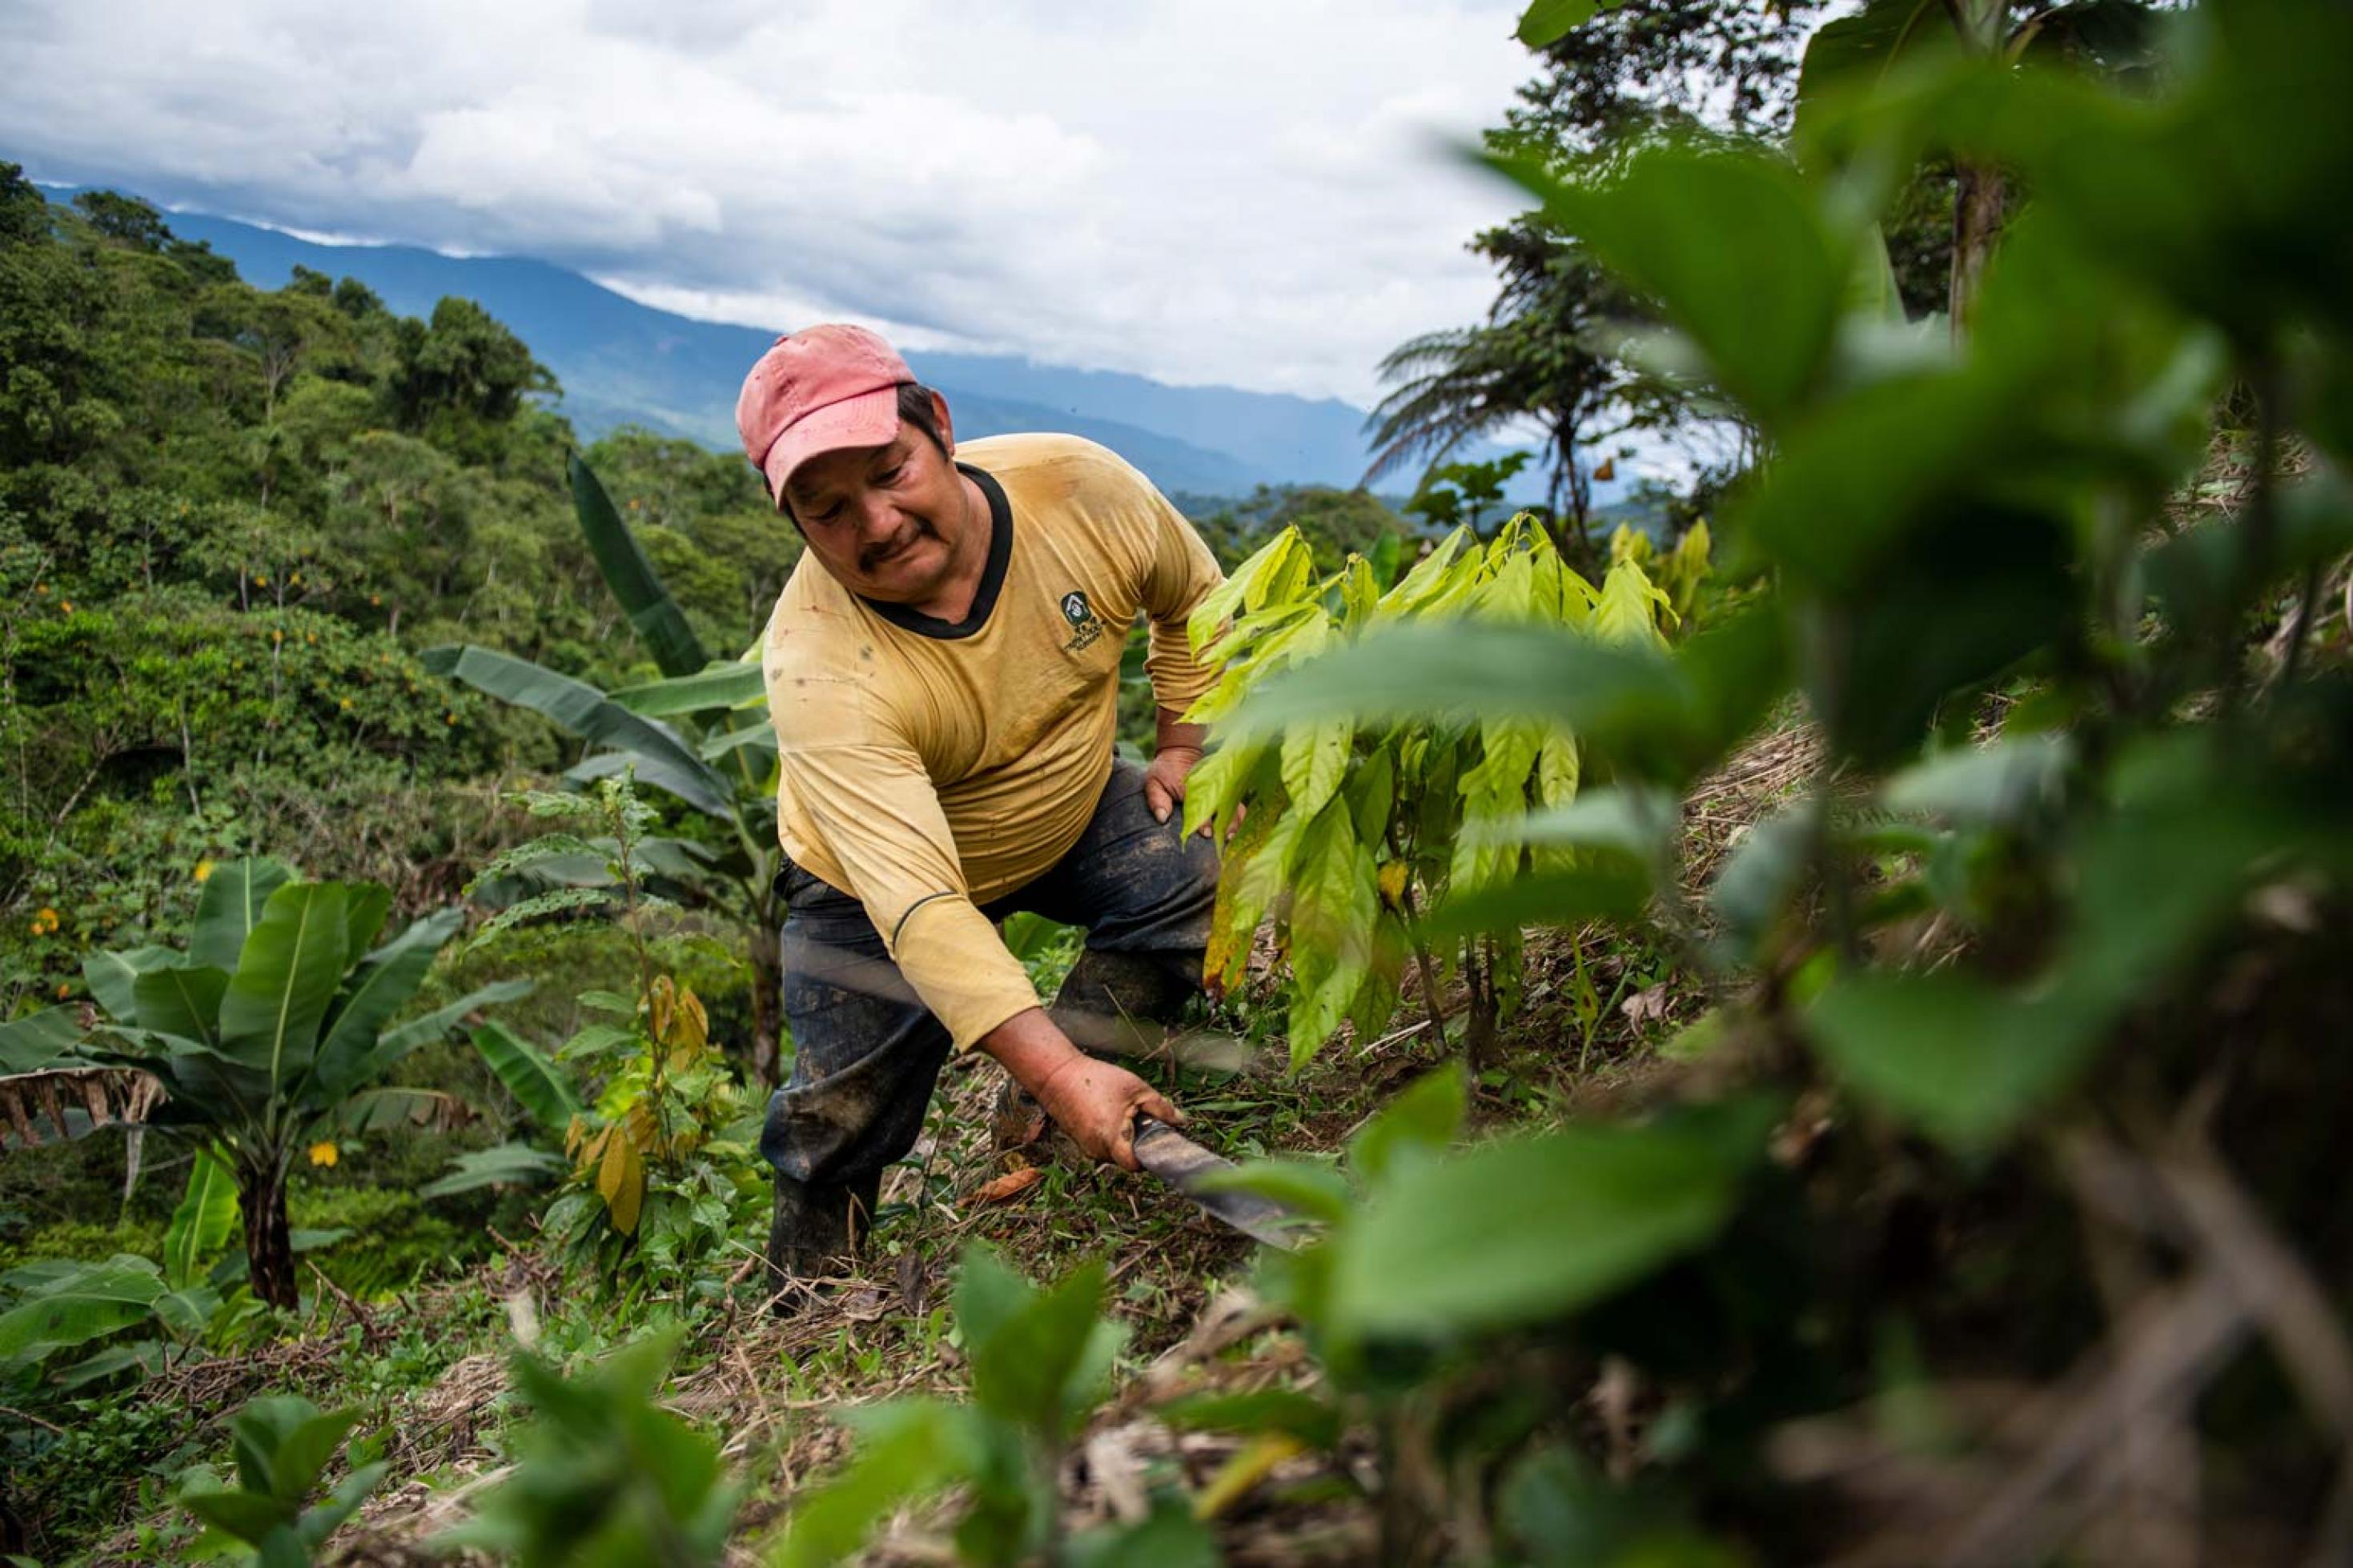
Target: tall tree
(24,211)
(1532,359)
(126,220)
(1725,68)
(462,377)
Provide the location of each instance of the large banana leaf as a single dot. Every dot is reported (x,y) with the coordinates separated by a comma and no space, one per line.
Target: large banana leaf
(367,904)
(661,758)
(184,1002)
(206,1088)
(392,1044)
(286,979)
(759,736)
(205,1220)
(497,1165)
(381,1110)
(230,907)
(538,1085)
(93,1300)
(145,1354)
(418,1031)
(202,1085)
(111,976)
(723,685)
(381,986)
(187,1312)
(676,858)
(36,1039)
(650,609)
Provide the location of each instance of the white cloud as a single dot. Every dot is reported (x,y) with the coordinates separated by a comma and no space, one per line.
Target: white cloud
(1234,191)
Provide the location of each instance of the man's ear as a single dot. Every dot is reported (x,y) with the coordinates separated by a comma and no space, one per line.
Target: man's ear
(947,429)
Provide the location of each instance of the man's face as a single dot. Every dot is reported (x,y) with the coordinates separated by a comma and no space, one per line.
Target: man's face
(883,520)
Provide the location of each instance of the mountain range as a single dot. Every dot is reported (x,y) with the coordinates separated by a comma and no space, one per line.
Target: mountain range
(620,361)
(623,362)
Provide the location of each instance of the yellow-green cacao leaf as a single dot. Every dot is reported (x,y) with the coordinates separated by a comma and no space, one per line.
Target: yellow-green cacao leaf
(1315,762)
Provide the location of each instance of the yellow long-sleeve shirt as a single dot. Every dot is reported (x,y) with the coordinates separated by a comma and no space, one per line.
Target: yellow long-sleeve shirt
(927,768)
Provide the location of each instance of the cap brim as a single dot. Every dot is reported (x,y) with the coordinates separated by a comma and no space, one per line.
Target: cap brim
(869,419)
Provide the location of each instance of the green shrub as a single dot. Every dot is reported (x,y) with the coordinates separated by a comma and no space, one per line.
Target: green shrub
(392,1241)
(283,1445)
(604,1478)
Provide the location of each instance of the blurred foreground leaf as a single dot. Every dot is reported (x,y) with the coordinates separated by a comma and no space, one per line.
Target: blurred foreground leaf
(1532,1227)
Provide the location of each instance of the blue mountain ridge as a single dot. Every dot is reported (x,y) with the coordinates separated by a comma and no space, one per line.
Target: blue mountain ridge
(623,362)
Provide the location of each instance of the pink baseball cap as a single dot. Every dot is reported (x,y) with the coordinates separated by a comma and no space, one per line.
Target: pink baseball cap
(819,389)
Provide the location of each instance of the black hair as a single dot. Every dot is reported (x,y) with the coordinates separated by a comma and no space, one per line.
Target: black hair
(914,409)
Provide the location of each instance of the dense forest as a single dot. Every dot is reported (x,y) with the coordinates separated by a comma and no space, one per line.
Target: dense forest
(230,517)
(1805,1032)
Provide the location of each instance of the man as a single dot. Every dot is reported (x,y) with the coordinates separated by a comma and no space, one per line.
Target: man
(942,672)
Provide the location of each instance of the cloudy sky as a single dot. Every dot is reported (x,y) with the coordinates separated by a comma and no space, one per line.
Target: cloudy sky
(1249,192)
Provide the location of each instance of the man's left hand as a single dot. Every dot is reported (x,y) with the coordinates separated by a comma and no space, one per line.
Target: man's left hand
(1164,780)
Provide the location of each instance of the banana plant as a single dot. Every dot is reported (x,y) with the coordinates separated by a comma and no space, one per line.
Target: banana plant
(142,1310)
(272,1031)
(656,617)
(700,735)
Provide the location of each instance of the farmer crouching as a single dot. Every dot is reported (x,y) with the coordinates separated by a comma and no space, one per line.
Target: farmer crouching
(942,671)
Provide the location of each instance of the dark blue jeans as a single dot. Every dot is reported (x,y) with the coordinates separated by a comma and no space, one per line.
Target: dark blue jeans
(867,1051)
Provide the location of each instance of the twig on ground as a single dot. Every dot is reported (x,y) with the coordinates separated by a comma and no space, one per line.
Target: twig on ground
(28,1416)
(1391,1039)
(360,1314)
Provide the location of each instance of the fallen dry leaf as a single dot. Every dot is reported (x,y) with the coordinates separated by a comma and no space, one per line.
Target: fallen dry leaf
(1012,1184)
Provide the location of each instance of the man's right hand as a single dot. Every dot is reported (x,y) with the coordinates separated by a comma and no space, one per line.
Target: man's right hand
(1096,1102)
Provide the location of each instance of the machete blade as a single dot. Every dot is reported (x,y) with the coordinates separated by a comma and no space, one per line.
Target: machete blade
(1184,1164)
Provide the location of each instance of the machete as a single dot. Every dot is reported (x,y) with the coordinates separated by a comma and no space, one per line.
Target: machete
(1184,1164)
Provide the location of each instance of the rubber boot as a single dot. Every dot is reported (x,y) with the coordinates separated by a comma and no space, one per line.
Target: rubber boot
(816,1229)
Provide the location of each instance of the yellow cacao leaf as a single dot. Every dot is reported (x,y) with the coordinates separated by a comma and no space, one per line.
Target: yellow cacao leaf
(621,1181)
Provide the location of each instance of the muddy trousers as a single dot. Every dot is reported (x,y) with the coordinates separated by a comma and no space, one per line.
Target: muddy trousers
(867,1053)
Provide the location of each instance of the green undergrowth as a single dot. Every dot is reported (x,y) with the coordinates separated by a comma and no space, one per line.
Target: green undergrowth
(413,1366)
(103,1491)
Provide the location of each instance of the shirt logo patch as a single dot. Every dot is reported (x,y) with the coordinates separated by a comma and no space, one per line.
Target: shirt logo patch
(1085,628)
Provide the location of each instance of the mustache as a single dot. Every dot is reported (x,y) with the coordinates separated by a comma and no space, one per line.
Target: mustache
(873,556)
